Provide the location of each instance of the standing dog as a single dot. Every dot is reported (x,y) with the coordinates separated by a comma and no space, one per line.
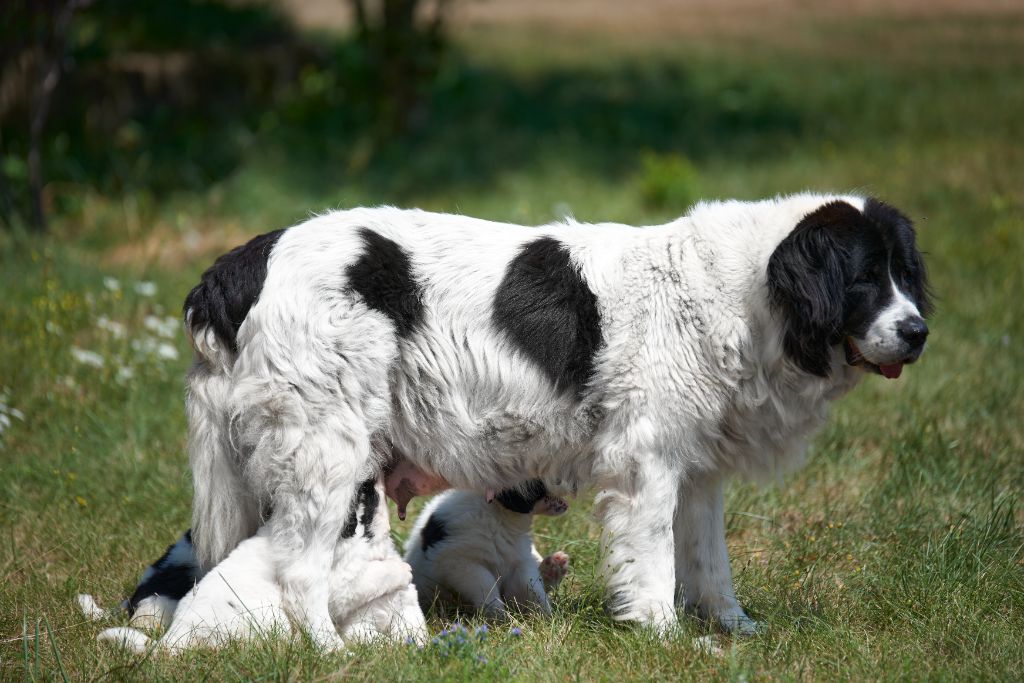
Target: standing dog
(466,551)
(651,363)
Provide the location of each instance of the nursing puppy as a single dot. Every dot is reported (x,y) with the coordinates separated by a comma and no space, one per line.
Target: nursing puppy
(467,552)
(371,591)
(652,363)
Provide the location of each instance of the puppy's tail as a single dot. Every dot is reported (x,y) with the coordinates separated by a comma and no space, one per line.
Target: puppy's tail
(224,511)
(129,638)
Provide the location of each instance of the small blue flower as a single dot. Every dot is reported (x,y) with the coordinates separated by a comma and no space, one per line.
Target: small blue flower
(516,631)
(481,631)
(481,659)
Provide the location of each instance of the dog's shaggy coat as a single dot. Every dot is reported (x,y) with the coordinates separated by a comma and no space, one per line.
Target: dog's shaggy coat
(650,363)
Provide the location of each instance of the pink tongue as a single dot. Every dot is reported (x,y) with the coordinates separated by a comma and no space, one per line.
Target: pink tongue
(891,371)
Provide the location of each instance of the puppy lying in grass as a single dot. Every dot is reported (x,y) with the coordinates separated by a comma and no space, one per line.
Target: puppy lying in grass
(465,551)
(371,592)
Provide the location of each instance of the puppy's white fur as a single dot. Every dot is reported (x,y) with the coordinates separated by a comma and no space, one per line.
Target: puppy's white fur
(690,386)
(486,559)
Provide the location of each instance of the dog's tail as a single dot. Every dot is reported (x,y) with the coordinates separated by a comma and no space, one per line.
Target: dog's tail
(129,638)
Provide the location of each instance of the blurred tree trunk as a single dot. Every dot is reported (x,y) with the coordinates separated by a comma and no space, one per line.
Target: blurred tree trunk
(34,47)
(403,41)
(51,47)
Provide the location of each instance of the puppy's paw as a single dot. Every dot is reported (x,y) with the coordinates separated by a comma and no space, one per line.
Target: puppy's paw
(554,568)
(90,609)
(708,646)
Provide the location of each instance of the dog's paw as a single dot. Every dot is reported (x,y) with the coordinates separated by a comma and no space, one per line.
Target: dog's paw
(554,568)
(739,625)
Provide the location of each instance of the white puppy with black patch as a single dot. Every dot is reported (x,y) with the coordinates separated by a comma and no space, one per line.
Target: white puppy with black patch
(371,590)
(650,363)
(466,552)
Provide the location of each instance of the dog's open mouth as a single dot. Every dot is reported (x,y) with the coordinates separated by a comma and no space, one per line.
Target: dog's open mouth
(855,357)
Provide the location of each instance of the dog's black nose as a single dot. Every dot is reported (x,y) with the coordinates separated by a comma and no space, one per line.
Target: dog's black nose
(914,331)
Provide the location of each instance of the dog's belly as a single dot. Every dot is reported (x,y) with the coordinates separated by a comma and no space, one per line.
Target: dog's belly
(483,422)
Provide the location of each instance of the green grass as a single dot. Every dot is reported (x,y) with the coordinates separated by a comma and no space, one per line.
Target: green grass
(896,553)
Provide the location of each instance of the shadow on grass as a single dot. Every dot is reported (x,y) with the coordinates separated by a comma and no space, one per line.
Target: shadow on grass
(149,109)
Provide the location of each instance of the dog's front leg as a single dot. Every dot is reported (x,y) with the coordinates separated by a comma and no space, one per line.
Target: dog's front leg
(638,560)
(703,576)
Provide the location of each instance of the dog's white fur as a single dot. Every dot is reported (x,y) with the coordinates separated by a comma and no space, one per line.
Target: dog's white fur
(487,559)
(691,386)
(371,596)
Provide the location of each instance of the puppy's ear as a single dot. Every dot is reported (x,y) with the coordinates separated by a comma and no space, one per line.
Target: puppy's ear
(522,498)
(807,281)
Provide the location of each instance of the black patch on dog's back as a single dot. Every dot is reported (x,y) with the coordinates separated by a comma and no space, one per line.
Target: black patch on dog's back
(522,499)
(546,308)
(229,288)
(383,276)
(170,579)
(434,531)
(365,500)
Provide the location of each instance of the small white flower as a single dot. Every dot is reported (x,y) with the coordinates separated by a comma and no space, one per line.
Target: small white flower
(165,327)
(86,357)
(112,283)
(124,374)
(53,328)
(145,288)
(112,326)
(167,351)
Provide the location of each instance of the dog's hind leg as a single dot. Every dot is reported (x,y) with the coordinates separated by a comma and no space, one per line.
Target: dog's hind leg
(639,566)
(313,491)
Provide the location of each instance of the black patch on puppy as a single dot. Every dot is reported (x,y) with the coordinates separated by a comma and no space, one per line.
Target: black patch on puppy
(434,531)
(830,277)
(383,277)
(169,579)
(522,499)
(366,500)
(229,288)
(370,501)
(546,308)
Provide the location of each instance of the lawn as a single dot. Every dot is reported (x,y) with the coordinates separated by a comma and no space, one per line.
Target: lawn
(897,552)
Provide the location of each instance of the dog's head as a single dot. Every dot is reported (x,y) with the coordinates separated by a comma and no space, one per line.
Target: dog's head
(531,497)
(854,278)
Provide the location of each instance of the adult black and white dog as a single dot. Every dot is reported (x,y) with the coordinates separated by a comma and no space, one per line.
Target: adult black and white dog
(650,363)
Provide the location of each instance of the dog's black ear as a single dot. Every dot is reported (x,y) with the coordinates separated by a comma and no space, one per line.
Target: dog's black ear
(807,283)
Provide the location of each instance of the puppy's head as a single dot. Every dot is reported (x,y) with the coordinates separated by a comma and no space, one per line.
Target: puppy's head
(851,278)
(531,498)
